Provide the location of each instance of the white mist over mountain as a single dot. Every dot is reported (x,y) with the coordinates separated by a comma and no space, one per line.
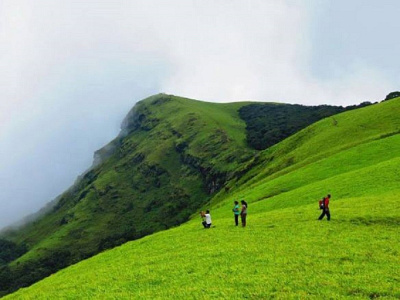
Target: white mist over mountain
(70,71)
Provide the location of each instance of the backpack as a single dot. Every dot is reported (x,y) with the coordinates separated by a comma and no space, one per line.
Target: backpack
(322,204)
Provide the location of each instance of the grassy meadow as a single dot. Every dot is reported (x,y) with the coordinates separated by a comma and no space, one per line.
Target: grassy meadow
(284,252)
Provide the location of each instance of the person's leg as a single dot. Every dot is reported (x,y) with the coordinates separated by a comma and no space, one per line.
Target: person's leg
(244,220)
(241,219)
(236,220)
(328,214)
(322,215)
(209,225)
(204,224)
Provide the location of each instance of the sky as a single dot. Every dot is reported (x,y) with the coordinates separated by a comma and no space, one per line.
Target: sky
(71,70)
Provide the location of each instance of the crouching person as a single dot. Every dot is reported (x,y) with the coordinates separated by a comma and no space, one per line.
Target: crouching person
(206,219)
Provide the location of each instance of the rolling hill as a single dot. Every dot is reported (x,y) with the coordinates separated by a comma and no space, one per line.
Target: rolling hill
(172,156)
(284,252)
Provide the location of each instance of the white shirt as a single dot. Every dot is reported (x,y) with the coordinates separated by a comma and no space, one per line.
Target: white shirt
(208,218)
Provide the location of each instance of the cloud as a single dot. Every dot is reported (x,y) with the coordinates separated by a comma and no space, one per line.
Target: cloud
(71,70)
(261,50)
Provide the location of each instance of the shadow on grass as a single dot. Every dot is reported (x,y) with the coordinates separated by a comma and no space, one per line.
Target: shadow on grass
(368,221)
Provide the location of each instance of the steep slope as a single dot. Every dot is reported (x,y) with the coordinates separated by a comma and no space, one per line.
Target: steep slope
(284,252)
(171,156)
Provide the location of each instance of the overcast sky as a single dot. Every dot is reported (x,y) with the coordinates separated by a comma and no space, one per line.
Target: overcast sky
(71,70)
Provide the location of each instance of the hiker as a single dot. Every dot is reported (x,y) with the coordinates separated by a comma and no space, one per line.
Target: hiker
(206,219)
(236,212)
(243,213)
(324,205)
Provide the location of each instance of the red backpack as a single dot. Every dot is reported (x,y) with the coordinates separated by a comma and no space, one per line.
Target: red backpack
(321,203)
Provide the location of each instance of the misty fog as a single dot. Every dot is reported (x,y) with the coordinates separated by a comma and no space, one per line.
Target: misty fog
(71,71)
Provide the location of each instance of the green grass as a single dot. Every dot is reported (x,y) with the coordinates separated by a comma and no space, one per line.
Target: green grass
(172,156)
(284,252)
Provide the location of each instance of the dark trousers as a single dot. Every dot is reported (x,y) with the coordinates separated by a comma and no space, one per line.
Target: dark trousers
(206,225)
(243,217)
(236,220)
(326,212)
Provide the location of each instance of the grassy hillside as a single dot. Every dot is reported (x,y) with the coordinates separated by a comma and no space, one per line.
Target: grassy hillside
(284,252)
(171,156)
(346,134)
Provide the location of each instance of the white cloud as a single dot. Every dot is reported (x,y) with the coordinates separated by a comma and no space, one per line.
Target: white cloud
(70,70)
(258,50)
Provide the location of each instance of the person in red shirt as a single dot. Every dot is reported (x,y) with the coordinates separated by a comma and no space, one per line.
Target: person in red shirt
(324,205)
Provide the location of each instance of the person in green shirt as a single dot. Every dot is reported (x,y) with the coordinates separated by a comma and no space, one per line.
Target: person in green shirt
(236,212)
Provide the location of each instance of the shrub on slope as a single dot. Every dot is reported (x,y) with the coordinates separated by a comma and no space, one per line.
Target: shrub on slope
(269,123)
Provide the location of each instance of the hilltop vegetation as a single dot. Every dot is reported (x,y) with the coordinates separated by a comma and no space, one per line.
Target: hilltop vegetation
(284,252)
(269,123)
(392,95)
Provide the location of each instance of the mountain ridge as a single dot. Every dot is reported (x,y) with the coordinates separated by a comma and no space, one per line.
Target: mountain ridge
(284,252)
(172,156)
